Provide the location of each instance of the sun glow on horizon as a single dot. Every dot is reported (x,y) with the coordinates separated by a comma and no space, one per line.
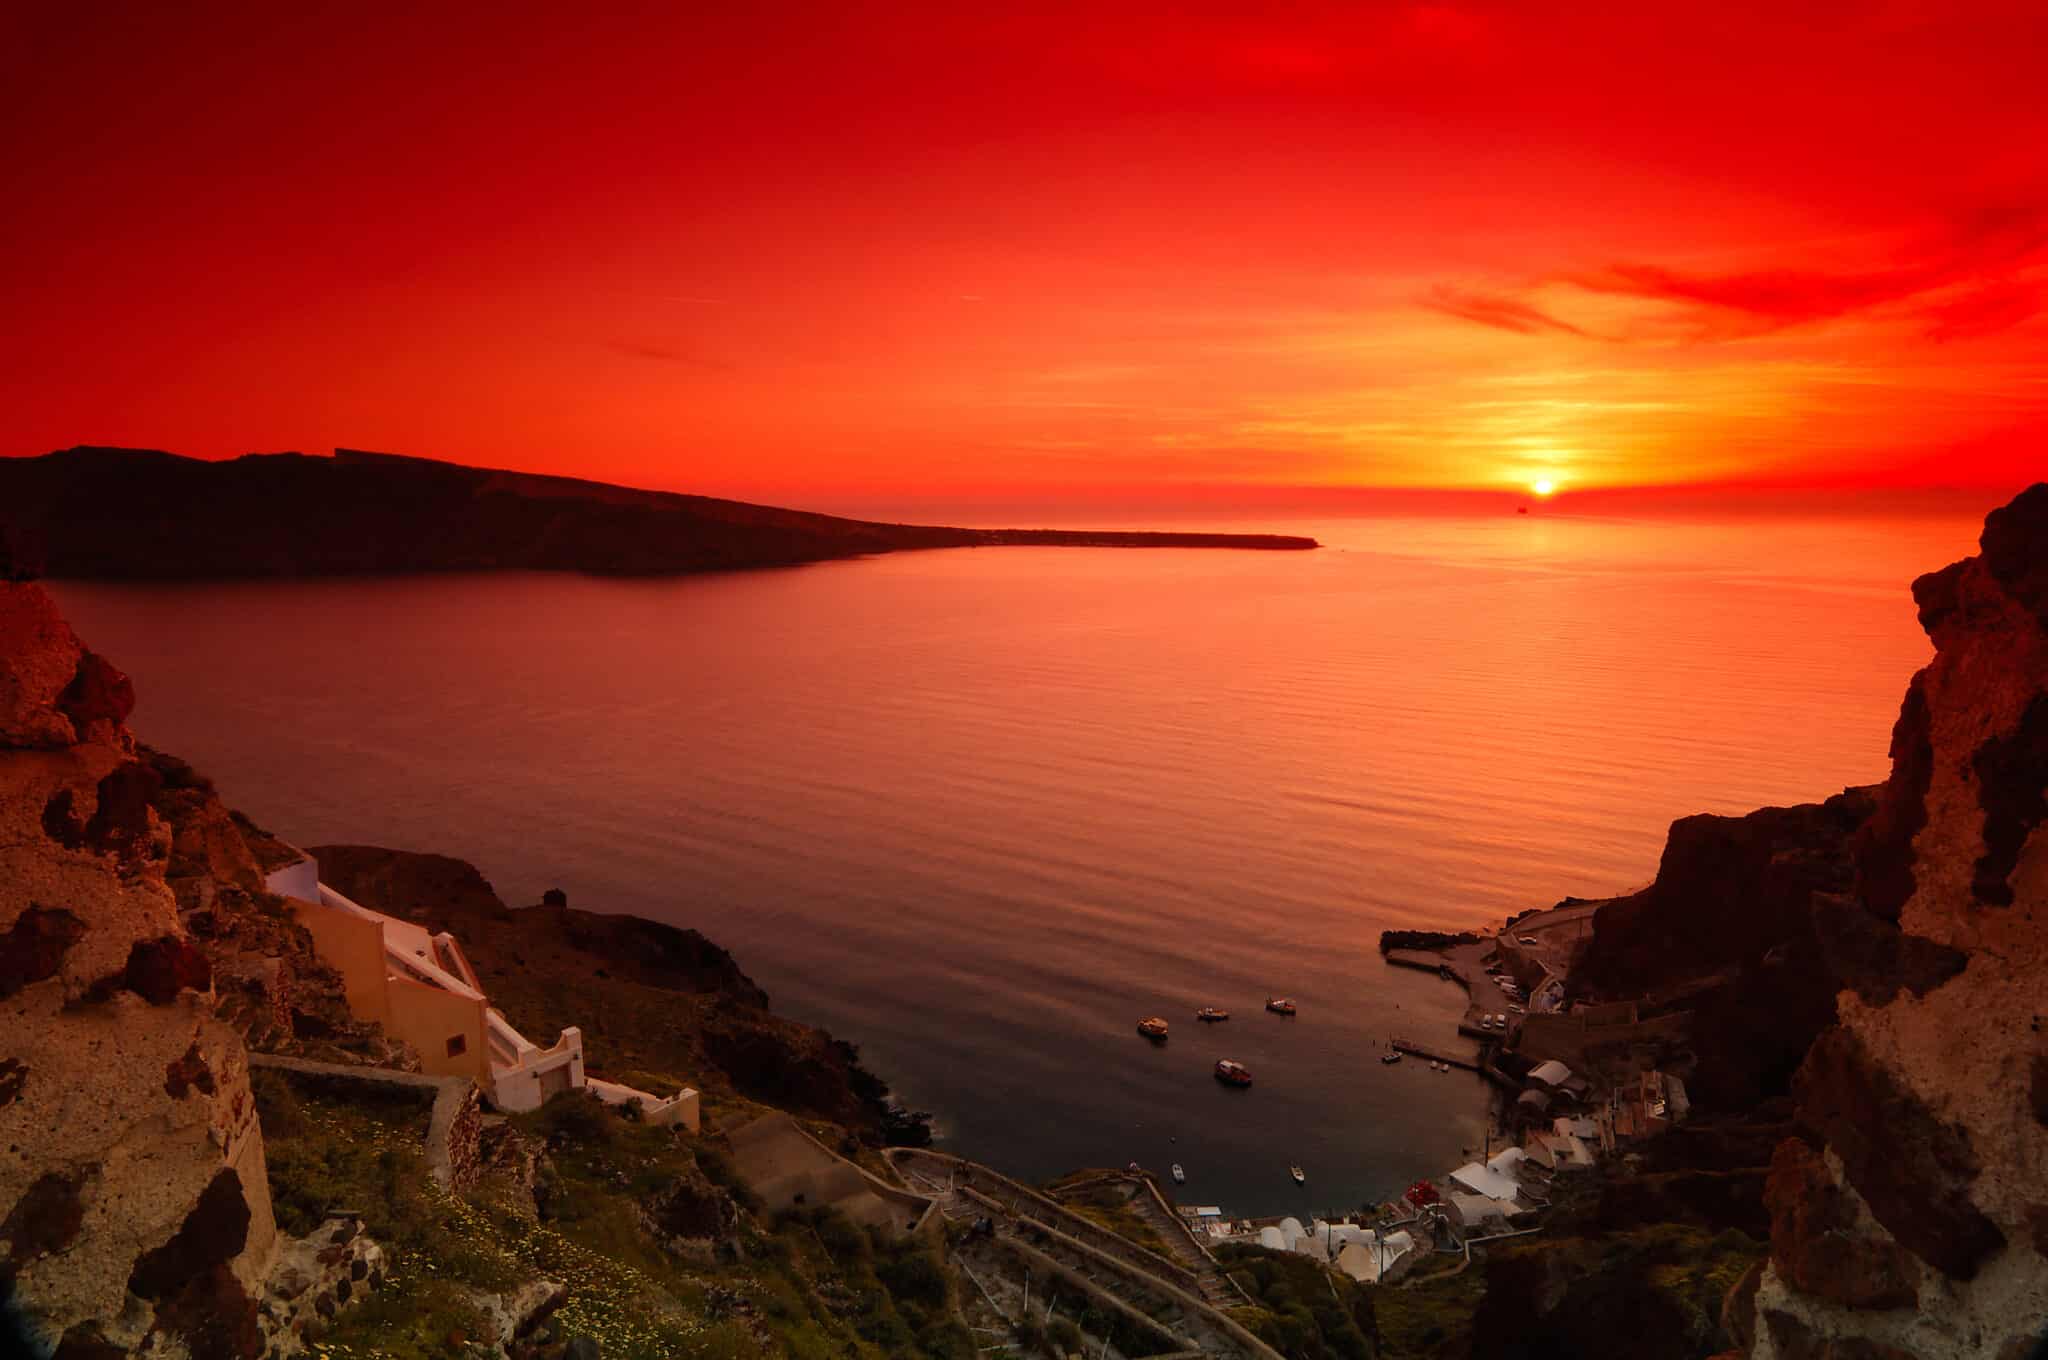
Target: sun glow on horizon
(1239,249)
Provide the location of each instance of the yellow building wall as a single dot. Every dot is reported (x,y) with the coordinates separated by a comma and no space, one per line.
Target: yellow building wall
(424,1016)
(355,948)
(427,1018)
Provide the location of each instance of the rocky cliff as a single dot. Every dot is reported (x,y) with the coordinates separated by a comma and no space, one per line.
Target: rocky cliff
(1729,931)
(1920,1226)
(134,1206)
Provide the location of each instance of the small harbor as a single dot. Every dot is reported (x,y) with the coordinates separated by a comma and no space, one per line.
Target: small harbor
(1546,1118)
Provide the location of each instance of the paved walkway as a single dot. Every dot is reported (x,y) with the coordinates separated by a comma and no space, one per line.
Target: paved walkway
(789,1169)
(1147,1201)
(1039,1230)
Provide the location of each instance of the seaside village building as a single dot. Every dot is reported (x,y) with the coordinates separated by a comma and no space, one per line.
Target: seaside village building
(1362,1253)
(420,987)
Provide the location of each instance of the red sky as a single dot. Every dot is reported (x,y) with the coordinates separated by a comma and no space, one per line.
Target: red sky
(817,254)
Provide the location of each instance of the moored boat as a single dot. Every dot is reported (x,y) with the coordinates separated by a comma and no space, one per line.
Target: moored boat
(1280,1005)
(1391,1057)
(1233,1073)
(1212,1014)
(1300,1176)
(1180,1177)
(1152,1027)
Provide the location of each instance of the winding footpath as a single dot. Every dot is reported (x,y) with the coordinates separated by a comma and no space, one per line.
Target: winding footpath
(1169,1296)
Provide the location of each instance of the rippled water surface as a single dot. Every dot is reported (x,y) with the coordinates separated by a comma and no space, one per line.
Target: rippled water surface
(980,811)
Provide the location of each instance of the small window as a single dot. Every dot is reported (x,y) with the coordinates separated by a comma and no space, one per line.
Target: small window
(458,1045)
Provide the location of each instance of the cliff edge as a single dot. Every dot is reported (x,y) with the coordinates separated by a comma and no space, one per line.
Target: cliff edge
(1920,1227)
(135,1211)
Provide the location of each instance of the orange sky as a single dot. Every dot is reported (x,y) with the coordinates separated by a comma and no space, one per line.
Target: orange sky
(817,254)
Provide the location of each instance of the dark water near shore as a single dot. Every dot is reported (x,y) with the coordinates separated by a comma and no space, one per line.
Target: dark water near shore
(979,811)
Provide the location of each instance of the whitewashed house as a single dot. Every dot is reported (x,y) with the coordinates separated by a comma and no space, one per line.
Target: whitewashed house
(420,987)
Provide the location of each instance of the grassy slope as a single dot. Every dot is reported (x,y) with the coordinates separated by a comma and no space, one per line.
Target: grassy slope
(802,1286)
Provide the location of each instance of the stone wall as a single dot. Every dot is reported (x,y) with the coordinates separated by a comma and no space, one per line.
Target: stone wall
(332,1268)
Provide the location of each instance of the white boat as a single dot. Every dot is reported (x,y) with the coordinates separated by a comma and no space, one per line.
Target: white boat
(1180,1177)
(1300,1177)
(1392,1057)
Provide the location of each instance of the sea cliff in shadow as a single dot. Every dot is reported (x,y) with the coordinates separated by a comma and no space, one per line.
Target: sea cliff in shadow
(139,514)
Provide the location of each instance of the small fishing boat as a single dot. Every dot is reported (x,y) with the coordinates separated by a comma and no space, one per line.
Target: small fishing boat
(1180,1177)
(1233,1073)
(1393,1056)
(1152,1027)
(1280,1005)
(1211,1014)
(1300,1177)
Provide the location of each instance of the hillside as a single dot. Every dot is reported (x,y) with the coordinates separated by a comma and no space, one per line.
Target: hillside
(659,1006)
(139,514)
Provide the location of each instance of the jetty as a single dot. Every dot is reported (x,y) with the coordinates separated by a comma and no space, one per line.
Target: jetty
(1415,1050)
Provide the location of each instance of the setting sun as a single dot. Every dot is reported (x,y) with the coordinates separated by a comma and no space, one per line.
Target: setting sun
(1543,486)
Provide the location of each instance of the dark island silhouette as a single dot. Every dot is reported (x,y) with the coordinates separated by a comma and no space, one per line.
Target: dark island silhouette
(144,514)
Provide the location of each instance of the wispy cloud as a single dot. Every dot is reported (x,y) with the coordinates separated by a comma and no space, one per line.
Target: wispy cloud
(1499,310)
(640,349)
(1975,276)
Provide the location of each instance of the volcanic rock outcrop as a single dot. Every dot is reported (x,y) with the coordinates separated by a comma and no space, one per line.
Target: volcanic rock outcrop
(134,1207)
(1920,1228)
(1729,930)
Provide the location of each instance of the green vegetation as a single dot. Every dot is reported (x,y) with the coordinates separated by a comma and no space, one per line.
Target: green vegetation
(810,1285)
(1428,1317)
(1300,1308)
(364,1153)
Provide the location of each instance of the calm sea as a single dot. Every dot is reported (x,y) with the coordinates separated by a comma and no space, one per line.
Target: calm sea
(981,810)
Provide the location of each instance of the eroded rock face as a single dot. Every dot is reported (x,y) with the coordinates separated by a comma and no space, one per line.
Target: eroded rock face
(1823,1242)
(39,658)
(1733,924)
(1919,1230)
(134,1204)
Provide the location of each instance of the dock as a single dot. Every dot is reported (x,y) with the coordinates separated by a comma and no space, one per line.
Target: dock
(1477,1063)
(1415,1050)
(1428,963)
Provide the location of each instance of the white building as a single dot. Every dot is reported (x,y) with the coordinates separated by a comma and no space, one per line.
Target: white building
(1371,1258)
(1480,1179)
(420,987)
